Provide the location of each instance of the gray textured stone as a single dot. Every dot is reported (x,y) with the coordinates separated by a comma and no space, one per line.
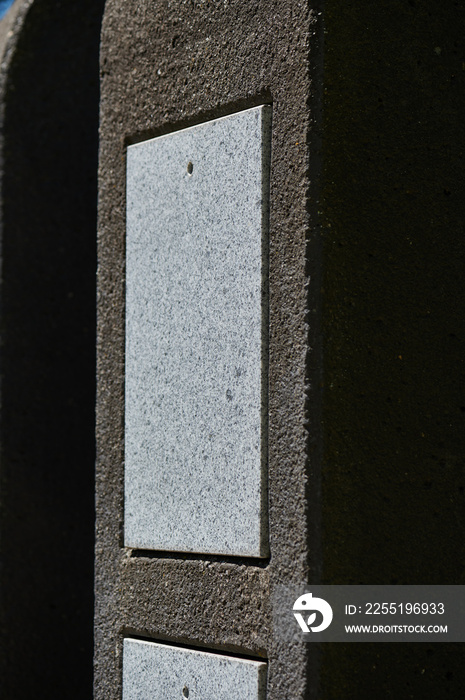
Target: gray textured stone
(167,66)
(161,672)
(196,338)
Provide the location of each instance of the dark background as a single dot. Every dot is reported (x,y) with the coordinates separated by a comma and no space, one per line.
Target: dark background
(49,206)
(393,299)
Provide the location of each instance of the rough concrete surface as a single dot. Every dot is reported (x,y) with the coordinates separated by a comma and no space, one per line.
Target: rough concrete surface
(7,23)
(366,319)
(166,66)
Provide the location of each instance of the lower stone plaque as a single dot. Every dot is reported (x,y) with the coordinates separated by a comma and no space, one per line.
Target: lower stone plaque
(162,672)
(196,338)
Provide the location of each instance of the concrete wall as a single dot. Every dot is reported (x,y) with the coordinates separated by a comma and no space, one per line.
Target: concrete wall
(392,223)
(366,409)
(166,66)
(366,324)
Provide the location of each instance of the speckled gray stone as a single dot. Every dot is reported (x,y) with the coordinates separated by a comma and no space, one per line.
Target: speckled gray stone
(196,338)
(162,672)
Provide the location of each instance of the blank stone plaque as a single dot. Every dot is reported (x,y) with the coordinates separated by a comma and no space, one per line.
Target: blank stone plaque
(160,672)
(196,338)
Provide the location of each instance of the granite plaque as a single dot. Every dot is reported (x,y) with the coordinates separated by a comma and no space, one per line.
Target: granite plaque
(196,338)
(162,672)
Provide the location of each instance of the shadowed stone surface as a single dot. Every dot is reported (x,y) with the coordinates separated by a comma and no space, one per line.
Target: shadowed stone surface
(49,95)
(160,671)
(195,383)
(366,260)
(394,258)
